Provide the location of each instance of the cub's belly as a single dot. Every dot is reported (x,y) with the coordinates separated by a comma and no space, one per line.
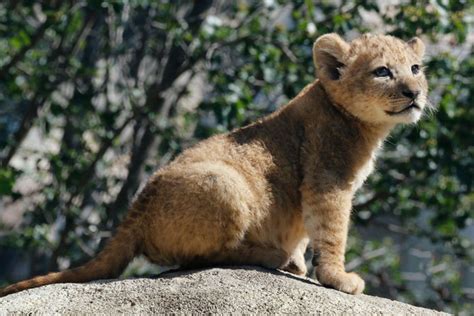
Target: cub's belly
(283,231)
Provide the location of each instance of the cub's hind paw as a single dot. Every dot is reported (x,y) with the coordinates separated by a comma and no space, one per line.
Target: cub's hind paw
(294,268)
(296,265)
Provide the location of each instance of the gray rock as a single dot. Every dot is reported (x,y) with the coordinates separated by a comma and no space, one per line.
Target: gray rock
(239,290)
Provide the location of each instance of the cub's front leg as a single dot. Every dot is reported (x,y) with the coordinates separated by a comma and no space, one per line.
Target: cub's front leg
(326,216)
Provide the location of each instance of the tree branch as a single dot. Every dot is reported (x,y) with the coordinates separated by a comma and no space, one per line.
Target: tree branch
(82,182)
(37,102)
(21,53)
(154,101)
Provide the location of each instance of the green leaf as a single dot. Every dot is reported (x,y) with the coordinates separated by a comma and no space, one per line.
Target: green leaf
(7,181)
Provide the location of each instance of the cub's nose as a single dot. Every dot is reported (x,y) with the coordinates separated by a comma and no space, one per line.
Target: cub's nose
(412,94)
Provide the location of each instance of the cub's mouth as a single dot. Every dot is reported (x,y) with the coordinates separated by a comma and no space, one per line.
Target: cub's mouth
(411,106)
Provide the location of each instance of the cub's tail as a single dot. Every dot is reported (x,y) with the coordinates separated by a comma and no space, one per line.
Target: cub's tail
(109,263)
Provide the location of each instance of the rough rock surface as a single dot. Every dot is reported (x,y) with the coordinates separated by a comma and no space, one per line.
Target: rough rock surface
(240,290)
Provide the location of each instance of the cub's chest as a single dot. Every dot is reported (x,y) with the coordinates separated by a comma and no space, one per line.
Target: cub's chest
(362,173)
(366,168)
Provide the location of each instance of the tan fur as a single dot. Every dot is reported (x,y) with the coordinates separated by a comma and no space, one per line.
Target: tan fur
(257,195)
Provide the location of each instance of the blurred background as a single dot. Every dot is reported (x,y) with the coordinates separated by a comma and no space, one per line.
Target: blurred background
(96,95)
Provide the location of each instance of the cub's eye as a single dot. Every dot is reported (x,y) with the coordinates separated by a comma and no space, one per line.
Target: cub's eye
(415,69)
(382,72)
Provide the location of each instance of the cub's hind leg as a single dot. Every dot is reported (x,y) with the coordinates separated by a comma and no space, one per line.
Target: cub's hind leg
(297,263)
(198,210)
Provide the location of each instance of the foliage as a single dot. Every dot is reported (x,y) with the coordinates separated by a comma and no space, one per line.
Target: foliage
(95,95)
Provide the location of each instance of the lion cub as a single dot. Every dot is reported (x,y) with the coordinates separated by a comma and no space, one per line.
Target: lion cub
(259,194)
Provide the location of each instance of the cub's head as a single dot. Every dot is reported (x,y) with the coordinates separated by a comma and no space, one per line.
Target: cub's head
(378,79)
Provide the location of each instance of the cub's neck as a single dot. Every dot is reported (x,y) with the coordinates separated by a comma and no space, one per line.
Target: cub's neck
(332,130)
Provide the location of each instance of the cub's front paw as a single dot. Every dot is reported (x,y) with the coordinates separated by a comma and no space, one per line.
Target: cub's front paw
(340,280)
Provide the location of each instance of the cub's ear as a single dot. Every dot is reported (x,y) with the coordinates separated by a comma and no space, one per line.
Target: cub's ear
(329,52)
(418,46)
